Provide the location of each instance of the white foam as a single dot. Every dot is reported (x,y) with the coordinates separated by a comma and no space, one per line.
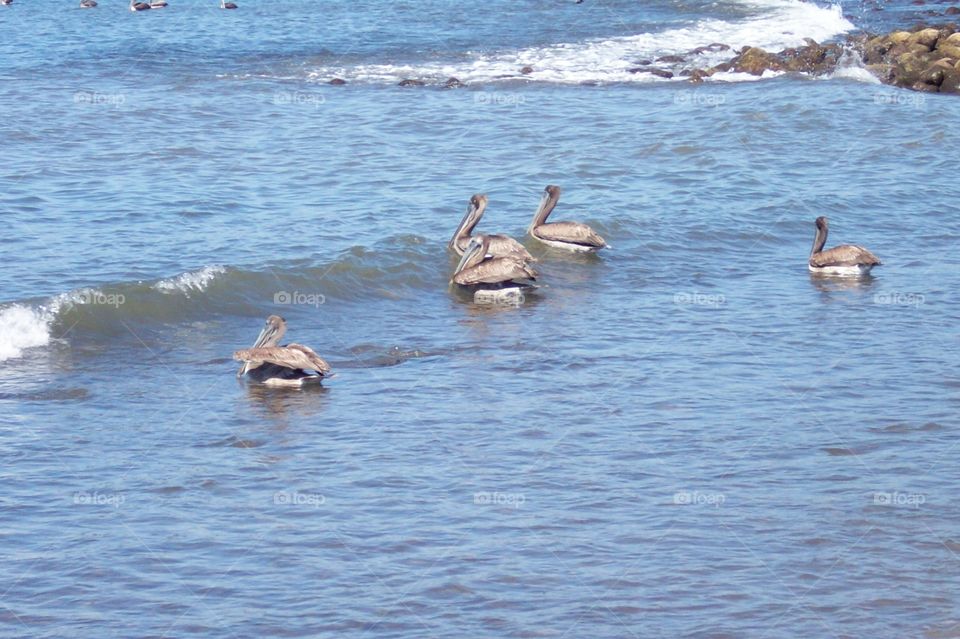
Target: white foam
(191,281)
(22,327)
(776,25)
(850,66)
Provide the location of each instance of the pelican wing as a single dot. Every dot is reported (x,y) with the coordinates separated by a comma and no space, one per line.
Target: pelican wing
(571,232)
(844,255)
(497,270)
(295,356)
(500,246)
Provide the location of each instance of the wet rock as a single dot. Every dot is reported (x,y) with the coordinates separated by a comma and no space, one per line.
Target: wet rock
(925,37)
(952,11)
(410,82)
(671,59)
(716,47)
(644,63)
(338,82)
(699,75)
(453,83)
(526,70)
(660,73)
(755,61)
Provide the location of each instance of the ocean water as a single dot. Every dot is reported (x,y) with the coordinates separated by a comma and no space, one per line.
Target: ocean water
(684,436)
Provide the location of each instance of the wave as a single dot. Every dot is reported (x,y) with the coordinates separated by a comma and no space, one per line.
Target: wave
(772,25)
(402,266)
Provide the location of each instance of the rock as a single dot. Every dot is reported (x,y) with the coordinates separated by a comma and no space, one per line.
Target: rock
(526,70)
(948,51)
(671,59)
(951,81)
(755,61)
(644,63)
(953,39)
(934,73)
(909,66)
(699,75)
(411,83)
(453,83)
(338,82)
(660,73)
(952,11)
(898,36)
(925,37)
(716,47)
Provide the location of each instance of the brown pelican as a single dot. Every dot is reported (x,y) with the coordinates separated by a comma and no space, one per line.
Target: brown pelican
(88,4)
(227,5)
(139,6)
(289,365)
(5,2)
(572,236)
(493,278)
(158,4)
(499,244)
(845,259)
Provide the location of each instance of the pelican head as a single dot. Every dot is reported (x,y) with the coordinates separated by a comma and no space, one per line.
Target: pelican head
(474,253)
(820,238)
(270,335)
(549,199)
(475,209)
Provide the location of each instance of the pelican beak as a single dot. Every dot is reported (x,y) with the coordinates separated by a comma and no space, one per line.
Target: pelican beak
(266,333)
(472,248)
(472,207)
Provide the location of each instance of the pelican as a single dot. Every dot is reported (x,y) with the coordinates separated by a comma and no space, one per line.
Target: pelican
(493,279)
(289,365)
(845,259)
(158,4)
(499,244)
(571,236)
(227,5)
(88,4)
(5,2)
(139,6)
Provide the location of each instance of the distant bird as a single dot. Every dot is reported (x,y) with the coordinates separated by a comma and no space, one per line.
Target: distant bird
(88,4)
(158,4)
(570,236)
(139,6)
(290,365)
(227,5)
(499,244)
(845,259)
(477,268)
(5,2)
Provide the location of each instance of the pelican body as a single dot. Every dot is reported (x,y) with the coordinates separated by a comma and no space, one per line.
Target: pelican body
(493,279)
(139,6)
(498,245)
(290,365)
(227,5)
(158,4)
(88,4)
(569,236)
(845,259)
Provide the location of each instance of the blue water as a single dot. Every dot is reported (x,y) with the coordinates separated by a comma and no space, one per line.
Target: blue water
(684,436)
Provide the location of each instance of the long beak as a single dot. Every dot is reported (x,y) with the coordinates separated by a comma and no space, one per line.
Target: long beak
(265,334)
(472,248)
(543,205)
(469,220)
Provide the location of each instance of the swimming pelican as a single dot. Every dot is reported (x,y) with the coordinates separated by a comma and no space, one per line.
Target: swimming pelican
(88,4)
(227,5)
(139,6)
(484,273)
(571,236)
(6,2)
(845,259)
(158,4)
(276,365)
(499,244)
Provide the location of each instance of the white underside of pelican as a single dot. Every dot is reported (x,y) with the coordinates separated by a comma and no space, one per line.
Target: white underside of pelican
(848,271)
(569,246)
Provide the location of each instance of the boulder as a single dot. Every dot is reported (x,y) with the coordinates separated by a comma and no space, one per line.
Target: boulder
(409,82)
(908,67)
(338,82)
(925,37)
(452,83)
(755,61)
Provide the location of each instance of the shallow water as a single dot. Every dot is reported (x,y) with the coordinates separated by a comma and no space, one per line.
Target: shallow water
(687,435)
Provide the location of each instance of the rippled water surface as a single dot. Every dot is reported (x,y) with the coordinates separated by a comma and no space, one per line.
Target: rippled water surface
(685,436)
